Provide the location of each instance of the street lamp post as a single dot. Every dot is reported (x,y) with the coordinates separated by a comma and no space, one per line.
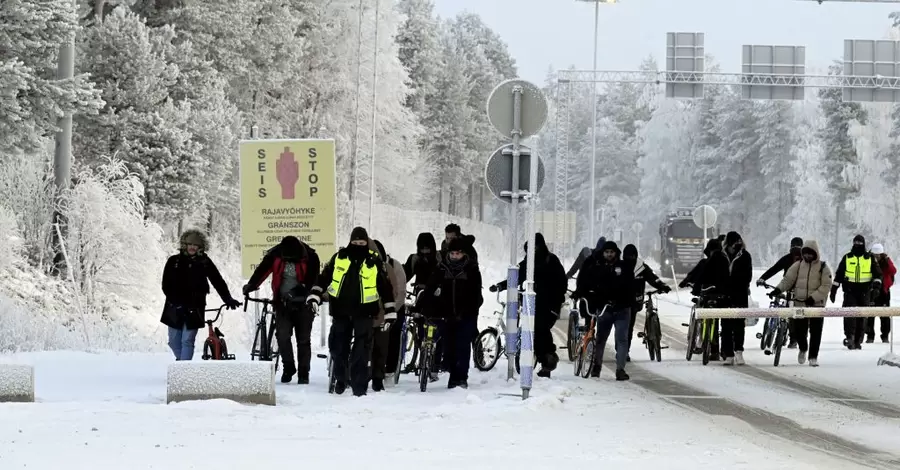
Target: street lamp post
(593,203)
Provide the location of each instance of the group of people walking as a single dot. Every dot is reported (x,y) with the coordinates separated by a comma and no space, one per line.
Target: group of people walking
(864,275)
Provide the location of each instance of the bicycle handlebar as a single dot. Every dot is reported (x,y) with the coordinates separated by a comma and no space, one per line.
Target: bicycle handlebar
(218,313)
(248,299)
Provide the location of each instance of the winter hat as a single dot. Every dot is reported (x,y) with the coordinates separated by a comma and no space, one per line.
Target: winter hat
(859,239)
(712,246)
(630,251)
(194,237)
(732,238)
(601,242)
(426,240)
(796,242)
(611,245)
(877,249)
(359,233)
(291,248)
(457,244)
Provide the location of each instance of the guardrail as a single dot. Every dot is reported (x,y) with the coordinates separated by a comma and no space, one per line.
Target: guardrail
(798,312)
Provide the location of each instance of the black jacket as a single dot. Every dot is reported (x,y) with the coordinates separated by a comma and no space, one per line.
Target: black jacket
(185,282)
(602,282)
(644,275)
(349,302)
(714,273)
(550,280)
(740,275)
(782,265)
(420,266)
(454,291)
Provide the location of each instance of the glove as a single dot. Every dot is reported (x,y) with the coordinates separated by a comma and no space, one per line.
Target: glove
(683,284)
(665,289)
(493,288)
(760,283)
(389,319)
(775,292)
(810,302)
(313,300)
(248,289)
(877,282)
(232,304)
(833,293)
(390,311)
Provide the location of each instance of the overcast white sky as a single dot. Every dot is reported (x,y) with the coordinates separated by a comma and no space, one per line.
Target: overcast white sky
(559,33)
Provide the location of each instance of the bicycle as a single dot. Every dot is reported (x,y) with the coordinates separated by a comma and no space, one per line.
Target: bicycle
(702,334)
(652,334)
(264,345)
(770,326)
(586,351)
(214,348)
(426,360)
(409,340)
(777,336)
(497,334)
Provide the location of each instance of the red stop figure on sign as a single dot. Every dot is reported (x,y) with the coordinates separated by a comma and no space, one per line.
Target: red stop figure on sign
(287,171)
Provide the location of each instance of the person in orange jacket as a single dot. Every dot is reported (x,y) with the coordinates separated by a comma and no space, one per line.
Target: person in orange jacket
(884,299)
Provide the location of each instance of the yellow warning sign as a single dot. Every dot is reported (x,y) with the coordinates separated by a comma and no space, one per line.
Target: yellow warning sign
(287,188)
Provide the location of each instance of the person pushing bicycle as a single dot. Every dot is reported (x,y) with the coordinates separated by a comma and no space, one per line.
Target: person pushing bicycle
(294,267)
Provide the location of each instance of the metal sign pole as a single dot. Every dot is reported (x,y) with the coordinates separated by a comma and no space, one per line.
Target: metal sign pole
(512,274)
(526,351)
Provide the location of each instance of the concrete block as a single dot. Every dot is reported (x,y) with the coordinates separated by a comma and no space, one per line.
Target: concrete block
(889,360)
(16,383)
(243,382)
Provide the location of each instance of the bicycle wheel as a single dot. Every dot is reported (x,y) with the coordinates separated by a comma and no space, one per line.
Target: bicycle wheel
(573,336)
(412,350)
(578,363)
(424,369)
(588,365)
(223,349)
(256,353)
(331,379)
(763,337)
(692,336)
(779,341)
(707,344)
(487,356)
(656,334)
(207,350)
(648,340)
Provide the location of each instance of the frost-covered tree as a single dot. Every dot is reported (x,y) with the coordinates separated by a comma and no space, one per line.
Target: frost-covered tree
(32,99)
(419,50)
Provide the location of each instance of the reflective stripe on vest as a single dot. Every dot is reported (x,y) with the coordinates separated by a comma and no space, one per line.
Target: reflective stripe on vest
(368,280)
(859,269)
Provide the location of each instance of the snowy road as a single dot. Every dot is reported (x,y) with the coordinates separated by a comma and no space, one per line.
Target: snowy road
(97,411)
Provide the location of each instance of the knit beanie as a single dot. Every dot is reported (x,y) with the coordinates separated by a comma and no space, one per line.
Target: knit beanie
(359,233)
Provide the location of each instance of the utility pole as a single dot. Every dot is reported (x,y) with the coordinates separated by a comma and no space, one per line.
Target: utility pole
(62,156)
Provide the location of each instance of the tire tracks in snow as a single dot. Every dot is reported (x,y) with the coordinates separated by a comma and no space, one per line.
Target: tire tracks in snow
(766,422)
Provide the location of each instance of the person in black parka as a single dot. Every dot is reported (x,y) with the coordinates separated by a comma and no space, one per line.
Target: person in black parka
(607,283)
(423,262)
(550,286)
(737,290)
(454,295)
(185,282)
(643,275)
(782,265)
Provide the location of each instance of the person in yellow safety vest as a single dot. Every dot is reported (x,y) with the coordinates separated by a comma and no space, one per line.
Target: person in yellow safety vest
(357,287)
(860,275)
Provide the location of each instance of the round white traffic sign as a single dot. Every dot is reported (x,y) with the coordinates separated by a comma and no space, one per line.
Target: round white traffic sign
(705,216)
(533,108)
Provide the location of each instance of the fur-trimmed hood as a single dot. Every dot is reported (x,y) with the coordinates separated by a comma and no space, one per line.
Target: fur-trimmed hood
(194,236)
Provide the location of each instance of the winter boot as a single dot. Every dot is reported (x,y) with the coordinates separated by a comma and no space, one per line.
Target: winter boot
(792,344)
(286,377)
(544,373)
(595,371)
(813,362)
(801,357)
(340,387)
(303,379)
(377,385)
(728,361)
(870,339)
(739,358)
(464,383)
(848,342)
(621,375)
(884,338)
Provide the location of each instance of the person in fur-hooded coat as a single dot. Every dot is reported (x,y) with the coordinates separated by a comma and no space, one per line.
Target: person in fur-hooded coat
(185,282)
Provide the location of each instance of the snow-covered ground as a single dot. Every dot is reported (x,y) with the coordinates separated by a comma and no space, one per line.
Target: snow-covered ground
(97,411)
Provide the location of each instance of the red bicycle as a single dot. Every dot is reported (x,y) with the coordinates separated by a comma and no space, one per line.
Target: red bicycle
(214,348)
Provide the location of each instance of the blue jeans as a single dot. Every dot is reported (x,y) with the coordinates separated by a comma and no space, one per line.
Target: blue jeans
(620,319)
(181,341)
